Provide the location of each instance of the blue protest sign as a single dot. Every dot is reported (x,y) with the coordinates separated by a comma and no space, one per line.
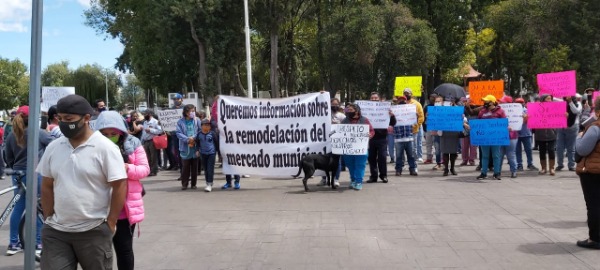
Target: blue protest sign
(489,131)
(445,118)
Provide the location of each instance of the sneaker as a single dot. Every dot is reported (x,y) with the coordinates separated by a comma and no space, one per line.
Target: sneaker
(481,177)
(245,176)
(2,177)
(358,186)
(559,168)
(513,175)
(428,161)
(478,168)
(351,186)
(532,168)
(336,183)
(414,173)
(208,188)
(372,181)
(420,160)
(38,249)
(471,163)
(588,244)
(384,180)
(437,167)
(392,161)
(226,186)
(520,169)
(497,176)
(571,169)
(13,249)
(236,185)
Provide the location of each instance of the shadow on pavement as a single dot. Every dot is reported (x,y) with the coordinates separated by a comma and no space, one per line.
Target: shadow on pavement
(560,224)
(550,248)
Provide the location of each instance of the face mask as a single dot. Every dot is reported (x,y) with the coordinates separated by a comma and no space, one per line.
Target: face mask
(402,102)
(350,114)
(147,117)
(178,102)
(408,97)
(335,108)
(114,139)
(191,114)
(487,105)
(70,129)
(102,109)
(438,104)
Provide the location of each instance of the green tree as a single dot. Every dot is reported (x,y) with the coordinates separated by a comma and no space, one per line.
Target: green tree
(90,82)
(56,74)
(14,83)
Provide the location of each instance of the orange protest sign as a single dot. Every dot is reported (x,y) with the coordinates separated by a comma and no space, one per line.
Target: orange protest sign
(480,89)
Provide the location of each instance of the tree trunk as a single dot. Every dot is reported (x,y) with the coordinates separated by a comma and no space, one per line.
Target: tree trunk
(201,59)
(239,86)
(218,80)
(274,76)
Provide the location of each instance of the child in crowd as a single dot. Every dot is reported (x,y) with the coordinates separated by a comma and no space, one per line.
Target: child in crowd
(236,183)
(208,150)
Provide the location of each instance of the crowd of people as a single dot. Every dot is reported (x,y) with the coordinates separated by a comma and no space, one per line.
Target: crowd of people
(124,152)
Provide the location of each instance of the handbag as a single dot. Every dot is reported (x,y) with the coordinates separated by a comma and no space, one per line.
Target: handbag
(160,141)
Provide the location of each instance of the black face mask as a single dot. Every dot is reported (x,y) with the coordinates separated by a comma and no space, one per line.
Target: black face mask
(487,105)
(402,102)
(102,109)
(71,129)
(335,108)
(350,114)
(147,117)
(408,97)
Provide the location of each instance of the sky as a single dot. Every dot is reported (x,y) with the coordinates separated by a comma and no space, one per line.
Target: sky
(64,35)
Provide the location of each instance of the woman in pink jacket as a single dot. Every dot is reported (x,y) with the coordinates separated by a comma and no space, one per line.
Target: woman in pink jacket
(112,125)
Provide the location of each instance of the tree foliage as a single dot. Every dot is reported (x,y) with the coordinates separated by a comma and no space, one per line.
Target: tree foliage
(14,83)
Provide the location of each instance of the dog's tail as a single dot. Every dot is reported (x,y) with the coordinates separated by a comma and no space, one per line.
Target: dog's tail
(299,171)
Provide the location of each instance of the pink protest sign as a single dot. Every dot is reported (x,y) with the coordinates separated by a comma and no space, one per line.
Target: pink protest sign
(547,114)
(594,96)
(558,84)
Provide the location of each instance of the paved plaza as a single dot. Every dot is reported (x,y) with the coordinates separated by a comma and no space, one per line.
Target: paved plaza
(424,222)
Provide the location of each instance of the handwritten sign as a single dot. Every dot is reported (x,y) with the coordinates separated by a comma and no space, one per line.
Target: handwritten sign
(514,112)
(377,112)
(51,95)
(412,82)
(168,118)
(406,115)
(489,131)
(547,114)
(445,118)
(349,139)
(558,84)
(480,89)
(595,94)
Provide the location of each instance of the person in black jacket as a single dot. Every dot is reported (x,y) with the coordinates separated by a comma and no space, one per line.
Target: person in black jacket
(378,149)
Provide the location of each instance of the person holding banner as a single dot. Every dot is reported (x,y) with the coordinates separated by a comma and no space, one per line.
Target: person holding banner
(588,169)
(173,141)
(545,138)
(188,127)
(403,140)
(429,136)
(510,150)
(377,149)
(524,142)
(565,138)
(490,110)
(449,143)
(356,163)
(417,131)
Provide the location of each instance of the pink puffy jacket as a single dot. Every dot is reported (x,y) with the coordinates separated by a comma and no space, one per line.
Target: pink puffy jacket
(137,169)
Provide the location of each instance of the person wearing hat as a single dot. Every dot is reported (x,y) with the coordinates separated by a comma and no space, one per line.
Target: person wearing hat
(207,139)
(403,141)
(16,159)
(524,142)
(150,129)
(83,191)
(172,151)
(356,163)
(490,110)
(187,130)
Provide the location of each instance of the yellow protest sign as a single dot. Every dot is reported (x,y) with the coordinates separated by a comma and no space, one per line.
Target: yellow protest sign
(412,82)
(480,89)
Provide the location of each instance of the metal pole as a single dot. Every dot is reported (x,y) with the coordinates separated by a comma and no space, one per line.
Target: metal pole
(106,83)
(33,135)
(248,52)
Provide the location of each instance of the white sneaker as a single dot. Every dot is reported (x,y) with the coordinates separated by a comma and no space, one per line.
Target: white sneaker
(336,183)
(208,188)
(420,160)
(245,176)
(323,182)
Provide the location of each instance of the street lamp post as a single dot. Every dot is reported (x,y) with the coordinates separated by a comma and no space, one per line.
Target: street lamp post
(248,53)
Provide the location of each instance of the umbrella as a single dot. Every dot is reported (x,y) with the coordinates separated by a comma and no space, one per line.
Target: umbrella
(450,91)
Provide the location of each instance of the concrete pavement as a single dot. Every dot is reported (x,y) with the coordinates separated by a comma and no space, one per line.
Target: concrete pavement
(424,222)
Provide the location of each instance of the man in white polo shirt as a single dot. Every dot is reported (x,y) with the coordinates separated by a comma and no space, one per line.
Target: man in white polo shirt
(83,192)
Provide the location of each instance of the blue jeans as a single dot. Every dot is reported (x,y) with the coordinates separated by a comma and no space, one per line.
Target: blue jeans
(15,217)
(524,143)
(420,143)
(401,148)
(235,177)
(511,154)
(356,166)
(495,155)
(208,163)
(566,139)
(390,140)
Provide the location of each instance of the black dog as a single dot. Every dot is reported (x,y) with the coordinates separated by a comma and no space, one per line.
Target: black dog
(310,163)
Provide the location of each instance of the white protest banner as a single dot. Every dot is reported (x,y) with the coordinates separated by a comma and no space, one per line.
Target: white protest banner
(51,95)
(377,112)
(270,137)
(406,115)
(350,139)
(514,113)
(168,118)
